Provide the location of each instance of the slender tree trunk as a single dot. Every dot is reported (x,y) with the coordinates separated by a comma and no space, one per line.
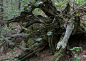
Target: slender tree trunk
(1,11)
(19,5)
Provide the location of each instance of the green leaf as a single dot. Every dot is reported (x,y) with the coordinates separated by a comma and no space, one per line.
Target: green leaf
(85,7)
(20,1)
(75,55)
(78,59)
(75,0)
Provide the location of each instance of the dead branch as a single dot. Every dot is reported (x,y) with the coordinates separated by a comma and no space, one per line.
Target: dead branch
(63,42)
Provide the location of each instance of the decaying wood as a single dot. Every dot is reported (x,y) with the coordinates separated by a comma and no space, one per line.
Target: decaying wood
(36,48)
(54,23)
(63,42)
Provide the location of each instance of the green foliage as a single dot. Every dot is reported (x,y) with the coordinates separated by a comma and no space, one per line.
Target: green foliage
(76,3)
(78,49)
(61,2)
(38,11)
(80,1)
(85,7)
(11,8)
(76,58)
(7,29)
(22,2)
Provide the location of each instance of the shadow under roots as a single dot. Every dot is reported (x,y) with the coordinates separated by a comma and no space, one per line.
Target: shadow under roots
(76,39)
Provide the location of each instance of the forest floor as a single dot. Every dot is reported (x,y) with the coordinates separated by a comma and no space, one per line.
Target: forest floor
(46,54)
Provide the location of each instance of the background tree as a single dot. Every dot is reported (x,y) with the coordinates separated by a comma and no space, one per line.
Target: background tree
(1,11)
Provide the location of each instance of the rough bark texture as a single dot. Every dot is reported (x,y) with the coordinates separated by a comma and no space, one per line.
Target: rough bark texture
(52,33)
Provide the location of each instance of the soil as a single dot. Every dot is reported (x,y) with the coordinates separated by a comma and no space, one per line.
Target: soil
(46,54)
(11,53)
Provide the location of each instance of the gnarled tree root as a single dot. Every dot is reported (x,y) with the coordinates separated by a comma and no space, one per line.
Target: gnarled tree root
(63,43)
(37,48)
(58,55)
